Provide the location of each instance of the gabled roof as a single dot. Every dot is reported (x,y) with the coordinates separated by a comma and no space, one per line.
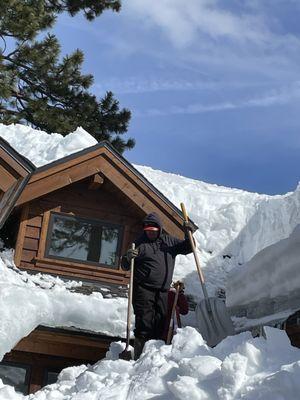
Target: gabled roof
(15,171)
(105,160)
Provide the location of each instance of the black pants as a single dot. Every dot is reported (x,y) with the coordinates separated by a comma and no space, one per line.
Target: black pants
(150,309)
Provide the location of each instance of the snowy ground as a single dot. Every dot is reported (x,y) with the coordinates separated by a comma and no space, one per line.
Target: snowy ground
(27,301)
(238,368)
(234,225)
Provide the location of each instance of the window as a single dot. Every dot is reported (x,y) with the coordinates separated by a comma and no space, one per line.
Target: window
(50,377)
(83,240)
(15,375)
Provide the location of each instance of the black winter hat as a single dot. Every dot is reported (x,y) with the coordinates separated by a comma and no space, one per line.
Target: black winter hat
(152,219)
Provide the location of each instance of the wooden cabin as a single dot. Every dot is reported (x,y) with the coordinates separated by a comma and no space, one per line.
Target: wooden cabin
(74,219)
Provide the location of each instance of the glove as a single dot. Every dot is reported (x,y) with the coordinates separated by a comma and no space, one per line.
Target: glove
(179,285)
(188,226)
(132,254)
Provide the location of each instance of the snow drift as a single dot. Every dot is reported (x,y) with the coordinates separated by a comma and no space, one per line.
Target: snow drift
(238,368)
(40,147)
(27,301)
(270,282)
(233,225)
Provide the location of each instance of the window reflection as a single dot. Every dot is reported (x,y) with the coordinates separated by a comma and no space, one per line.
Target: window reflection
(14,375)
(50,377)
(83,240)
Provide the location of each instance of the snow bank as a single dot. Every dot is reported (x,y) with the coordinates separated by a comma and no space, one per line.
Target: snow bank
(270,282)
(27,301)
(238,368)
(42,148)
(231,221)
(233,224)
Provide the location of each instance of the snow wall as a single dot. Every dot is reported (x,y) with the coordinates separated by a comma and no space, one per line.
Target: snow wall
(270,282)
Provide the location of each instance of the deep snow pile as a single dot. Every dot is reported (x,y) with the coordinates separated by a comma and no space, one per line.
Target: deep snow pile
(233,224)
(238,368)
(270,282)
(27,301)
(42,148)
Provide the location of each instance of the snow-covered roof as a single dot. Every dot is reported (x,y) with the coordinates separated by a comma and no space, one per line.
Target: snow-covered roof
(233,224)
(97,150)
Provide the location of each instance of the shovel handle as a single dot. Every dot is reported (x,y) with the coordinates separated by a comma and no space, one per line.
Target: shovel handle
(171,324)
(197,261)
(130,289)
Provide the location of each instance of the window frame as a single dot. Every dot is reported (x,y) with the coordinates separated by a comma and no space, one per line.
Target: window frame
(93,221)
(27,368)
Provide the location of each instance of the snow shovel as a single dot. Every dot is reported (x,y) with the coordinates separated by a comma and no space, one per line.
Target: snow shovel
(171,328)
(126,353)
(212,316)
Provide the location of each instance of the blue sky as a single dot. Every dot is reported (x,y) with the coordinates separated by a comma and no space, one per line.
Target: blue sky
(213,86)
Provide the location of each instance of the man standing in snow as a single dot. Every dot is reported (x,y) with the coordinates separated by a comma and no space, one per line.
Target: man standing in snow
(154,265)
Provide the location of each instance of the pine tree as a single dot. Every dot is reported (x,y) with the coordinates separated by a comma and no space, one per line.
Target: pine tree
(39,87)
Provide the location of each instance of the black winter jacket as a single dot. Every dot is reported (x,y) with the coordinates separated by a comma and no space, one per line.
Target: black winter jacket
(155,263)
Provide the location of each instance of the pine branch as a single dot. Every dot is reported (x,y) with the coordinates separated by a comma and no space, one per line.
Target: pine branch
(12,53)
(4,41)
(8,111)
(39,88)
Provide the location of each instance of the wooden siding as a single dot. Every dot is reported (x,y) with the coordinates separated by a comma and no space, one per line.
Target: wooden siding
(7,179)
(293,332)
(55,349)
(10,170)
(103,161)
(141,194)
(64,344)
(16,165)
(107,204)
(14,171)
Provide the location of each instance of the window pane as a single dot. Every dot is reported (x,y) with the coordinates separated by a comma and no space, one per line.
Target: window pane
(83,240)
(70,238)
(14,376)
(51,377)
(109,244)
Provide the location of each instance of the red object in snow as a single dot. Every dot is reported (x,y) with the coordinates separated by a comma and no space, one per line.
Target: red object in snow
(182,308)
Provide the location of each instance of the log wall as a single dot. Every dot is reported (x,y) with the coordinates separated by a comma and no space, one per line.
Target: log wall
(106,203)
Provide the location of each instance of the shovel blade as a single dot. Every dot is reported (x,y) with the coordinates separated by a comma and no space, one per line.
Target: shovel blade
(214,325)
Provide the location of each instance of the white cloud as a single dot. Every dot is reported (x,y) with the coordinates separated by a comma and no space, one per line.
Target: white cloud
(208,48)
(248,42)
(275,97)
(148,85)
(184,21)
(140,85)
